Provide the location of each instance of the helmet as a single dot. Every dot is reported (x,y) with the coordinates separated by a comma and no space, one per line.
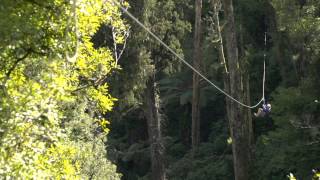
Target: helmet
(269,106)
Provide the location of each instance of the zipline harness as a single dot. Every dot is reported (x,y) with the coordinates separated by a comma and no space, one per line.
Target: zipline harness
(191,67)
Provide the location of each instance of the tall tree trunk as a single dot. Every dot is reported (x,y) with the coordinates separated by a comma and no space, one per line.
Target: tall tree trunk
(246,86)
(151,104)
(151,110)
(239,122)
(196,79)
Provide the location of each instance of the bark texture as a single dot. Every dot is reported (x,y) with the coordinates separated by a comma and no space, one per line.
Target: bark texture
(197,58)
(151,110)
(239,117)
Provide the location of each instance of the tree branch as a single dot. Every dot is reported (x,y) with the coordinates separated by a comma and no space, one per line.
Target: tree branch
(219,30)
(16,63)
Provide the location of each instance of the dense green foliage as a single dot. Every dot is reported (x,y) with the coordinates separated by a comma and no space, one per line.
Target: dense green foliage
(51,104)
(63,88)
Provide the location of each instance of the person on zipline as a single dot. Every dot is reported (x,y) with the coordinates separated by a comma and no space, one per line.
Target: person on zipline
(265,110)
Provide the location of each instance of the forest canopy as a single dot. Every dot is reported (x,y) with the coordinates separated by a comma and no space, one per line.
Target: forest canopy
(53,91)
(103,89)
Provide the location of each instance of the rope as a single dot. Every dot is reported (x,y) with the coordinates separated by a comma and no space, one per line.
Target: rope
(184,61)
(264,67)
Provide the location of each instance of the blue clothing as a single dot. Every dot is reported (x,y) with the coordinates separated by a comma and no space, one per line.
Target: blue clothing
(266,108)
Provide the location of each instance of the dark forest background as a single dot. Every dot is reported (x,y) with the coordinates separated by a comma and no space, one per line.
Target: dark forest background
(287,141)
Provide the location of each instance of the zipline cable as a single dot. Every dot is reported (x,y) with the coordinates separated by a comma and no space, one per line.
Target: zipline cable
(184,61)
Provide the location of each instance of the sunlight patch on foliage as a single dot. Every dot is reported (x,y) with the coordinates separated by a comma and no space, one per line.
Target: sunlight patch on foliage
(42,94)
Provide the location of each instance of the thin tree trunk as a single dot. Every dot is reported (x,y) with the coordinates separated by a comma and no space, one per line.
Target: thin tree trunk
(239,122)
(222,58)
(196,79)
(151,110)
